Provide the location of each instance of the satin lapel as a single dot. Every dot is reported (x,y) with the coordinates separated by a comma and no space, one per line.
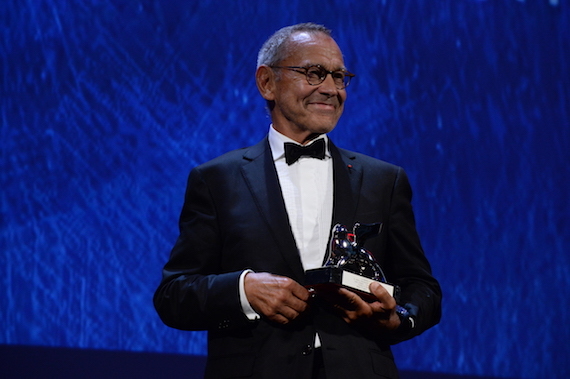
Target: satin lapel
(261,178)
(347,183)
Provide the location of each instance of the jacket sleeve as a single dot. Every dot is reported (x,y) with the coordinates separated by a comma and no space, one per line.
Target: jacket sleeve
(408,266)
(194,293)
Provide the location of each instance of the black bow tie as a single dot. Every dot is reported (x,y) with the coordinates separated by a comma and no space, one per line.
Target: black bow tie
(315,150)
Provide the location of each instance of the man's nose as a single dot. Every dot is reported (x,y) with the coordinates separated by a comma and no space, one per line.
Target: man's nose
(328,86)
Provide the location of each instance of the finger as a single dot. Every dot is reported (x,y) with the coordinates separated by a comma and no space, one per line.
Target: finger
(295,304)
(379,312)
(350,296)
(293,295)
(299,291)
(352,302)
(279,312)
(382,295)
(289,312)
(385,307)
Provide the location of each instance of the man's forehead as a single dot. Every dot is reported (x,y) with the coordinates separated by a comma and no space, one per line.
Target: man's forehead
(325,44)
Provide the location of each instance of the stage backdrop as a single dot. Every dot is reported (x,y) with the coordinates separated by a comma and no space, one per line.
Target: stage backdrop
(106,105)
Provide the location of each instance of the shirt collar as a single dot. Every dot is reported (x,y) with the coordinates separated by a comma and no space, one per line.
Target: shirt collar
(277,141)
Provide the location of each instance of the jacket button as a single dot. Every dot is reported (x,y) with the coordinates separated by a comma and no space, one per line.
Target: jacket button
(224,324)
(308,349)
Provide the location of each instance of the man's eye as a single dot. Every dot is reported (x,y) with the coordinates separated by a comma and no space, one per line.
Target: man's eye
(315,72)
(338,75)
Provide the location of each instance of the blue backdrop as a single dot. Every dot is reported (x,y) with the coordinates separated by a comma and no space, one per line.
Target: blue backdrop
(105,106)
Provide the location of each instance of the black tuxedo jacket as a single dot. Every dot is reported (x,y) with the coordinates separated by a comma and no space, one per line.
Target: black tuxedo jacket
(234,218)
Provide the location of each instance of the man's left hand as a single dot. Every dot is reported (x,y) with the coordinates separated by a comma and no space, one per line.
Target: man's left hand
(379,315)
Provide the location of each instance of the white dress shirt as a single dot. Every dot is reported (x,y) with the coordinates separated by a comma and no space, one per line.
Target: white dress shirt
(307,188)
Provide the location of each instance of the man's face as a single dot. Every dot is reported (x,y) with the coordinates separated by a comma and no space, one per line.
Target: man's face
(301,110)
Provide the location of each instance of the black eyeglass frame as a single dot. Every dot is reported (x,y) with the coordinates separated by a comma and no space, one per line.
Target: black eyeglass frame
(347,76)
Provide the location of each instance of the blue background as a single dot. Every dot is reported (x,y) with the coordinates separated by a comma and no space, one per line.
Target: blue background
(105,106)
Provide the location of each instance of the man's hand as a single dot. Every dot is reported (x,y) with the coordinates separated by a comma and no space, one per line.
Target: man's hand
(278,298)
(379,315)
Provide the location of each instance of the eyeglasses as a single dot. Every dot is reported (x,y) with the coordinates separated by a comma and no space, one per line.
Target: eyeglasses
(316,74)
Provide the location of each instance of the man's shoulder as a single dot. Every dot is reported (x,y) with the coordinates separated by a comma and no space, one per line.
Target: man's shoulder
(367,161)
(235,157)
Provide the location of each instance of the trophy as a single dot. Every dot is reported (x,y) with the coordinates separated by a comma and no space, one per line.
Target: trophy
(349,264)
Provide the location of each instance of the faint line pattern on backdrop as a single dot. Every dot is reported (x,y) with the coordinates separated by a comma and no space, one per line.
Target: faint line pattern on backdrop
(106,105)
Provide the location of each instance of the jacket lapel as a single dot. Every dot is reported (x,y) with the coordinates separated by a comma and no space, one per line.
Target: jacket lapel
(347,182)
(261,177)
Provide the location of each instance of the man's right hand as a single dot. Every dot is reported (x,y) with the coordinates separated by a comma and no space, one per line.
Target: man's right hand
(278,298)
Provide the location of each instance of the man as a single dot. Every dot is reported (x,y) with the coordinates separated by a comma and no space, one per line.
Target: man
(255,219)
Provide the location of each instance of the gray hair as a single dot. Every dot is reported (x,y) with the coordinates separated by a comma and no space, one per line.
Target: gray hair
(275,48)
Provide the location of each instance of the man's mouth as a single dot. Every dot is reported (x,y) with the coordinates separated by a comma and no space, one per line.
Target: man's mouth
(323,106)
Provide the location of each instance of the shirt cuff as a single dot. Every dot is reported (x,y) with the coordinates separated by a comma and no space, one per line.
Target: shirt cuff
(245,306)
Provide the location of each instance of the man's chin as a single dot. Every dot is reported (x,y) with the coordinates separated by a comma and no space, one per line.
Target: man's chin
(316,131)
(323,129)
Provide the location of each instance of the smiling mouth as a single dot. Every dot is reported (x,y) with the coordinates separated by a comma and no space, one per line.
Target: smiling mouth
(323,106)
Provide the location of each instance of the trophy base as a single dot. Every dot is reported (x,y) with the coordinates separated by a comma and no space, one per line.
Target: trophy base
(325,279)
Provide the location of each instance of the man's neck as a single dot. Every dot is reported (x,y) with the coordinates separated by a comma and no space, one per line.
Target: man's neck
(302,137)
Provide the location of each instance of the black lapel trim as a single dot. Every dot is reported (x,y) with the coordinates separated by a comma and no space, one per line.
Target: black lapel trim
(347,183)
(261,177)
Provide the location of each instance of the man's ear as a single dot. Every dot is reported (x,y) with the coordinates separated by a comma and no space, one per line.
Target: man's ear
(265,80)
